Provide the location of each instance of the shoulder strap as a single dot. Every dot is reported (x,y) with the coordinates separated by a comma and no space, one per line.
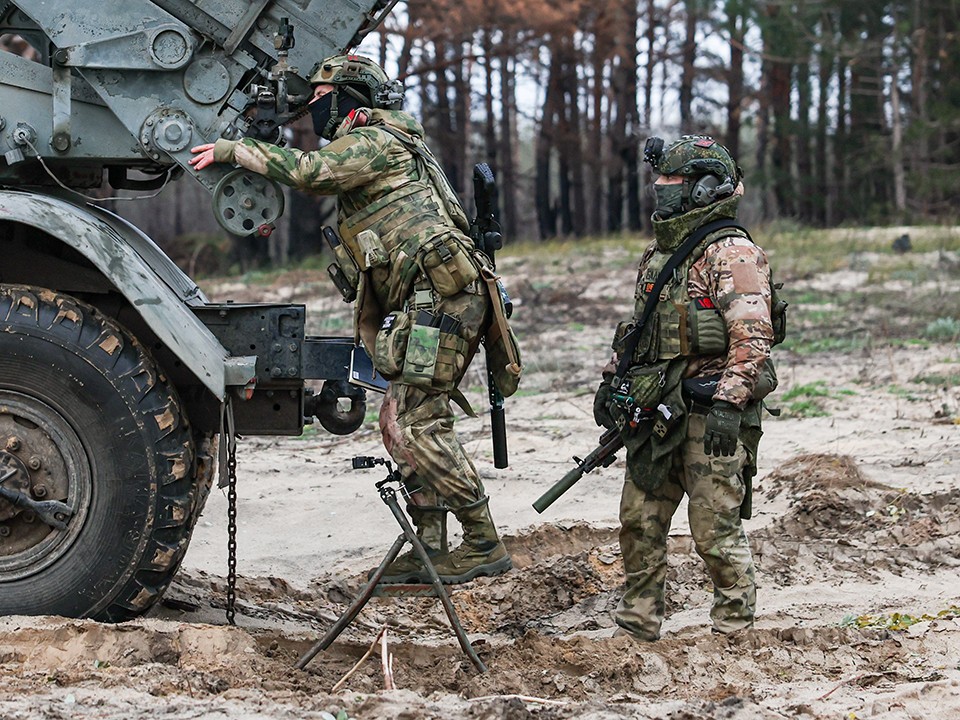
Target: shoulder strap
(435,173)
(632,338)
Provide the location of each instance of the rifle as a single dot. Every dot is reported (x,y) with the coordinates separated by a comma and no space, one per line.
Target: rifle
(606,452)
(486,236)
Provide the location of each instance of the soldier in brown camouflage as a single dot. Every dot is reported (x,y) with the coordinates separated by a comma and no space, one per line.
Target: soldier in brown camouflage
(421,304)
(711,328)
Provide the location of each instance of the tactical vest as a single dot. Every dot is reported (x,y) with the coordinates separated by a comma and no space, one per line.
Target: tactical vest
(679,326)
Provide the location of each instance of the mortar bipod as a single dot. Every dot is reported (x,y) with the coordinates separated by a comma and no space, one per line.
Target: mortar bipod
(373,586)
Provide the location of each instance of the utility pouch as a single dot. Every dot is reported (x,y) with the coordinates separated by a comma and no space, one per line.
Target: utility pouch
(403,274)
(641,389)
(447,264)
(372,251)
(391,344)
(778,313)
(700,390)
(648,345)
(623,327)
(348,268)
(706,329)
(767,382)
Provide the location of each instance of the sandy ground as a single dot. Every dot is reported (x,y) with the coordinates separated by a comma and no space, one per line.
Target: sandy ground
(856,535)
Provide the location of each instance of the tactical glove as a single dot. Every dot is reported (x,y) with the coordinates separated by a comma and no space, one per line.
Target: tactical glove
(722,429)
(601,406)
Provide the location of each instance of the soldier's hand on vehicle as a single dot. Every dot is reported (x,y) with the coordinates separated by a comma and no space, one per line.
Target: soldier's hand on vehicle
(204,156)
(722,429)
(601,406)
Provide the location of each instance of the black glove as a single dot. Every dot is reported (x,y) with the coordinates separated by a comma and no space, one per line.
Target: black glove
(722,429)
(601,406)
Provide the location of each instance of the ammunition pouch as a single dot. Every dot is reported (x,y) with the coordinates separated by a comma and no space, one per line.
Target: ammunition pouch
(421,349)
(445,261)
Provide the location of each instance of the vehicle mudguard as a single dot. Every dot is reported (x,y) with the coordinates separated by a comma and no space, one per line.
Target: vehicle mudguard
(155,287)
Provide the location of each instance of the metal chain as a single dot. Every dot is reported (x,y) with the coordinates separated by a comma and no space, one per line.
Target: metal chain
(231,532)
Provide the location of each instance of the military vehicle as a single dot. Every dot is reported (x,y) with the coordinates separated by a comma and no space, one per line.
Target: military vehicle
(117,376)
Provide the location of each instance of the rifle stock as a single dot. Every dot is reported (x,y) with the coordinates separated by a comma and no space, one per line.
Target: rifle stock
(602,456)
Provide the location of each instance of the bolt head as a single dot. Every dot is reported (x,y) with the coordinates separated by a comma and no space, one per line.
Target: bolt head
(13,444)
(34,463)
(4,531)
(40,491)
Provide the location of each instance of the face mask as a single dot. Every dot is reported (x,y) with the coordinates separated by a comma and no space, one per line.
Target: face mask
(669,200)
(326,117)
(320,111)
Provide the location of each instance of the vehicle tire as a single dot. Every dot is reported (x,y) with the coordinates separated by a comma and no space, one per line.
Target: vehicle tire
(88,420)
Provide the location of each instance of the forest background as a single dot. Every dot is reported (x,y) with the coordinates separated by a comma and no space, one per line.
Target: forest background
(840,112)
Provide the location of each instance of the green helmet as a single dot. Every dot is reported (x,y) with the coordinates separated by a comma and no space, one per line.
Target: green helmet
(709,171)
(360,77)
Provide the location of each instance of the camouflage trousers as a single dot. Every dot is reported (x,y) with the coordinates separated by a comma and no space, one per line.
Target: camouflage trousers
(417,424)
(715,490)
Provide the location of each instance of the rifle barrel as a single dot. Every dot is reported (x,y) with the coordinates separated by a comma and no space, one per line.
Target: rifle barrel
(498,428)
(610,442)
(554,492)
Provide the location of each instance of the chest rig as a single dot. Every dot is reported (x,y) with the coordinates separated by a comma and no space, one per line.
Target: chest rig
(396,236)
(679,326)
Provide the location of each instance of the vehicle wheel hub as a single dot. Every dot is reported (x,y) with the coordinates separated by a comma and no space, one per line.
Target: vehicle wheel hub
(42,457)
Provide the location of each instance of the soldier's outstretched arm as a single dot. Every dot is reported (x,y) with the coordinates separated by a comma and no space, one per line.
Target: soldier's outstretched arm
(343,164)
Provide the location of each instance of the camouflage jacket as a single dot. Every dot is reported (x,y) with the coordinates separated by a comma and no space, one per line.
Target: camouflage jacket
(380,185)
(731,277)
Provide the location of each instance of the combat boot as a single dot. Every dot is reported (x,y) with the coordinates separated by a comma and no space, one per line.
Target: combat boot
(480,553)
(431,524)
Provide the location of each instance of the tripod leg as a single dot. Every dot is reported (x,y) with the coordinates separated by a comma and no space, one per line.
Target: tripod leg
(411,535)
(351,612)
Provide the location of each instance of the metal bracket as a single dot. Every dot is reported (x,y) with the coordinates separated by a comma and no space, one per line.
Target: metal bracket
(165,46)
(61,140)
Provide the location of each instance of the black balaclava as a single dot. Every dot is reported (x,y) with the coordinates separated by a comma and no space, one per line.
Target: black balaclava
(327,117)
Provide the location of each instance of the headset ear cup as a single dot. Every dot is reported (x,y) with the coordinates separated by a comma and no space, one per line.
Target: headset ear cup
(704,191)
(709,189)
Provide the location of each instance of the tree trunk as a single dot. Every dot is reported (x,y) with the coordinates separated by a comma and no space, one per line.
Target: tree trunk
(687,71)
(507,175)
(546,216)
(736,29)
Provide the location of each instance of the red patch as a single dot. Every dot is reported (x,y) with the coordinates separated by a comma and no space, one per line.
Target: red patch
(705,303)
(705,142)
(648,288)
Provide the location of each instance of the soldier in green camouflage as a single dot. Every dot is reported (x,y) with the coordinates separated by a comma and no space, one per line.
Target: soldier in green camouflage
(421,303)
(710,329)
